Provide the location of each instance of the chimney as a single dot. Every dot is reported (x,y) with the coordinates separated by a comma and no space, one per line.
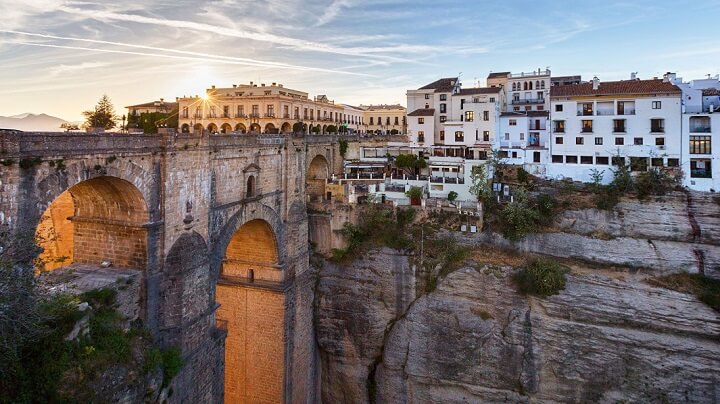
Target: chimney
(262,85)
(633,76)
(162,99)
(274,84)
(669,77)
(213,86)
(251,83)
(596,83)
(234,85)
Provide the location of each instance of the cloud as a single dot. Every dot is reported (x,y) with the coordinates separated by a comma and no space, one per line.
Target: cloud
(332,11)
(63,68)
(190,55)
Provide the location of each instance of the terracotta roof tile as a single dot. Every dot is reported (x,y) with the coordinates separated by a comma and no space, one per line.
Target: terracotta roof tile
(710,92)
(441,86)
(423,112)
(615,88)
(498,74)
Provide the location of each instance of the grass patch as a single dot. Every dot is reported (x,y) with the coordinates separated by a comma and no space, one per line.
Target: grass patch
(707,290)
(541,277)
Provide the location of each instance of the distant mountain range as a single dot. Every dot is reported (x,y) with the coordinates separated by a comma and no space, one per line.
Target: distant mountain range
(32,122)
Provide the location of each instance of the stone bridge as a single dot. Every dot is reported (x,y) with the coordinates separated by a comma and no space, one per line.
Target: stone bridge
(217,227)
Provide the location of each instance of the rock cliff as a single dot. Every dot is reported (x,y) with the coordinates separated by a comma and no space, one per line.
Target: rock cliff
(609,336)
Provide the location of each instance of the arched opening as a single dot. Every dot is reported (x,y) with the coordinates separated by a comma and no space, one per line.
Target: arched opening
(250,188)
(186,267)
(324,129)
(255,128)
(98,220)
(316,180)
(286,127)
(225,128)
(212,128)
(253,316)
(198,127)
(270,128)
(240,128)
(185,128)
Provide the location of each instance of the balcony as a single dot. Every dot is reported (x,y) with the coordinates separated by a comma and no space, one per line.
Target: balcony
(241,116)
(305,117)
(528,101)
(559,129)
(286,116)
(531,74)
(255,115)
(657,129)
(197,116)
(619,129)
(587,129)
(421,139)
(226,115)
(585,112)
(700,129)
(270,115)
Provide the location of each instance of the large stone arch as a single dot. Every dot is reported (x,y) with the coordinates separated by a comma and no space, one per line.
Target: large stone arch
(286,127)
(252,306)
(184,289)
(240,128)
(99,219)
(226,128)
(255,128)
(318,172)
(270,128)
(212,128)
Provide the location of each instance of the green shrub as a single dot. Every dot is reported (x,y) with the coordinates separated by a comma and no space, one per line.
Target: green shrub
(546,208)
(707,290)
(522,176)
(343,144)
(452,196)
(172,363)
(518,218)
(541,277)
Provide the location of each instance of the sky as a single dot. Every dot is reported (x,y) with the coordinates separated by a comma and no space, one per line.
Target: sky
(59,57)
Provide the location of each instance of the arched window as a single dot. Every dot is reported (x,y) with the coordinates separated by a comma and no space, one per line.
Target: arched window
(537,84)
(530,85)
(250,187)
(514,87)
(542,84)
(525,85)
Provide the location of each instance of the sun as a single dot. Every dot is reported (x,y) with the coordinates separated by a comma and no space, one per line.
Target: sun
(205,97)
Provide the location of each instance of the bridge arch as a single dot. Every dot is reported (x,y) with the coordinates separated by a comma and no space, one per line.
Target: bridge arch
(187,266)
(98,219)
(251,307)
(316,178)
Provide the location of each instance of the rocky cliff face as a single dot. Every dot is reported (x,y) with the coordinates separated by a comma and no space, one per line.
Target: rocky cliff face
(608,337)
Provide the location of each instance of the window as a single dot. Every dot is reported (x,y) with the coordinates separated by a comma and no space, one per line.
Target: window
(602,160)
(586,160)
(486,136)
(443,97)
(462,103)
(486,115)
(516,108)
(673,162)
(250,190)
(559,126)
(536,157)
(507,136)
(638,163)
(185,112)
(619,141)
(700,145)
(657,125)
(700,124)
(656,162)
(427,97)
(656,104)
(256,111)
(443,118)
(598,141)
(522,136)
(587,109)
(503,154)
(421,136)
(469,116)
(271,110)
(557,158)
(371,121)
(619,125)
(579,140)
(443,108)
(420,121)
(558,140)
(540,108)
(427,106)
(514,154)
(512,122)
(492,99)
(638,141)
(212,112)
(459,136)
(558,108)
(387,121)
(587,126)
(442,135)
(571,159)
(618,161)
(659,141)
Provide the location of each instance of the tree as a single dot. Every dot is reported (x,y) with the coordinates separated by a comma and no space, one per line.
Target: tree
(518,217)
(480,186)
(68,126)
(343,147)
(298,127)
(452,196)
(103,116)
(410,162)
(331,129)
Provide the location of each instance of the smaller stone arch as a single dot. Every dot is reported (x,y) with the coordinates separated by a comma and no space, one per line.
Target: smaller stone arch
(255,128)
(240,128)
(198,127)
(225,128)
(324,129)
(212,128)
(316,178)
(185,128)
(286,127)
(270,128)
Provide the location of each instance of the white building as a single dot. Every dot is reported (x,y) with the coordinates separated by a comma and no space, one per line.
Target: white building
(635,121)
(700,123)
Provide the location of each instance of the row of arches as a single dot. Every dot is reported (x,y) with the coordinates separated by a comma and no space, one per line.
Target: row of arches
(226,128)
(528,85)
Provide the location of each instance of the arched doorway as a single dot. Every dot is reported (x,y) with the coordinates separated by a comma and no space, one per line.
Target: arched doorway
(212,128)
(286,127)
(225,128)
(270,128)
(240,128)
(185,128)
(101,219)
(316,179)
(253,315)
(255,128)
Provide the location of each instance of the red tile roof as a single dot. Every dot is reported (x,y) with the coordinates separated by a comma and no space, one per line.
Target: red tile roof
(623,87)
(441,86)
(423,112)
(479,90)
(710,92)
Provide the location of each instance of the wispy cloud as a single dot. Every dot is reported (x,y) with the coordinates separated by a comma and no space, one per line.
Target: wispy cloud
(332,11)
(80,67)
